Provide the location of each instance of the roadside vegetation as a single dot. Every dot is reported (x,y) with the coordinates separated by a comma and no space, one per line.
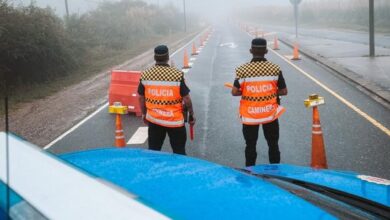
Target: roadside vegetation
(344,14)
(42,53)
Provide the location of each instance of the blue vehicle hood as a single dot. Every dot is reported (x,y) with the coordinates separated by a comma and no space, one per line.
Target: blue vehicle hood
(187,188)
(349,182)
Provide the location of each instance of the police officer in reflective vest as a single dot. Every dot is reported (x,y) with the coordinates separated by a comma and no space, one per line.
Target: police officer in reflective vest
(162,91)
(260,83)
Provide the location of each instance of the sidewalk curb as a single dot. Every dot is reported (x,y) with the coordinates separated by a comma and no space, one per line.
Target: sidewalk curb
(370,88)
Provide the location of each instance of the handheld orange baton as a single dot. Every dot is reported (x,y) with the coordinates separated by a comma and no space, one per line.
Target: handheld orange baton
(228,85)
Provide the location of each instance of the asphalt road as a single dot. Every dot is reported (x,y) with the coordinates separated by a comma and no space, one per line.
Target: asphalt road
(381,39)
(352,142)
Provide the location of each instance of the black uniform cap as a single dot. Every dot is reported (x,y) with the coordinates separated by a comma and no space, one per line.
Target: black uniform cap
(161,50)
(259,43)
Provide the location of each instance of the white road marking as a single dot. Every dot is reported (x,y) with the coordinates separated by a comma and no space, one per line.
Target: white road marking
(336,95)
(185,70)
(106,105)
(75,127)
(191,64)
(140,136)
(192,59)
(339,97)
(231,45)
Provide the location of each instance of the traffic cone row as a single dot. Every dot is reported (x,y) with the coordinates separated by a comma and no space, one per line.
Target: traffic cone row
(202,40)
(256,34)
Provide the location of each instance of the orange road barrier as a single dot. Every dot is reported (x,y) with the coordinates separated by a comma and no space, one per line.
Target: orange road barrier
(123,89)
(318,154)
(194,50)
(228,85)
(119,134)
(276,43)
(296,52)
(186,64)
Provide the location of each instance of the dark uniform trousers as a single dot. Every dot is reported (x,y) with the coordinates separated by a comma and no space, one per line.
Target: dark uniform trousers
(271,134)
(177,138)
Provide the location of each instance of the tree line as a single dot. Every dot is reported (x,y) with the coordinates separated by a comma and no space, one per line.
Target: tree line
(38,46)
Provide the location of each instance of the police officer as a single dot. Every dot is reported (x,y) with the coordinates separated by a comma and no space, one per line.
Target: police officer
(162,92)
(260,83)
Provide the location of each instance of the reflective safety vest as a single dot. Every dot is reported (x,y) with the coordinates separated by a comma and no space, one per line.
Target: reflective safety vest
(259,86)
(162,96)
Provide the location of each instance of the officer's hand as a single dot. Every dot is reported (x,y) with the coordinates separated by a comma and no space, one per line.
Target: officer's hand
(146,122)
(192,120)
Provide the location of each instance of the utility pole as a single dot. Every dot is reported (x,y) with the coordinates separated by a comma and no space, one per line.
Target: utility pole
(295,3)
(372,28)
(67,9)
(296,19)
(185,16)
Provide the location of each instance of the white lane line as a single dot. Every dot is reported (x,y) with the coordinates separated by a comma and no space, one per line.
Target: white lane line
(106,105)
(339,97)
(185,70)
(75,127)
(192,59)
(140,136)
(336,95)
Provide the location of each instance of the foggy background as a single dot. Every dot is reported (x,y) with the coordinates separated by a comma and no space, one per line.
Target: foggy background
(101,33)
(209,7)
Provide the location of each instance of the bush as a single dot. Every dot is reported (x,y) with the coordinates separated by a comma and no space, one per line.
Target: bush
(33,44)
(37,46)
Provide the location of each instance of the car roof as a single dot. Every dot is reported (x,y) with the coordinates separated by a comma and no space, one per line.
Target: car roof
(188,188)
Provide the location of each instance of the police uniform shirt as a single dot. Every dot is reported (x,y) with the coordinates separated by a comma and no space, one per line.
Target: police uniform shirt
(184,90)
(281,81)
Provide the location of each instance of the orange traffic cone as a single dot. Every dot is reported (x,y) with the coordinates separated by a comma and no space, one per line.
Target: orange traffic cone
(186,64)
(119,134)
(276,43)
(318,155)
(194,50)
(296,52)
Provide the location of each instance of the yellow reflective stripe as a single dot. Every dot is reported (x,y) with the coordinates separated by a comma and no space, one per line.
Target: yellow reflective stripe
(263,120)
(164,122)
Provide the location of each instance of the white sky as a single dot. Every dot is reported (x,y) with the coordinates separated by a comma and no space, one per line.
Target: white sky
(205,6)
